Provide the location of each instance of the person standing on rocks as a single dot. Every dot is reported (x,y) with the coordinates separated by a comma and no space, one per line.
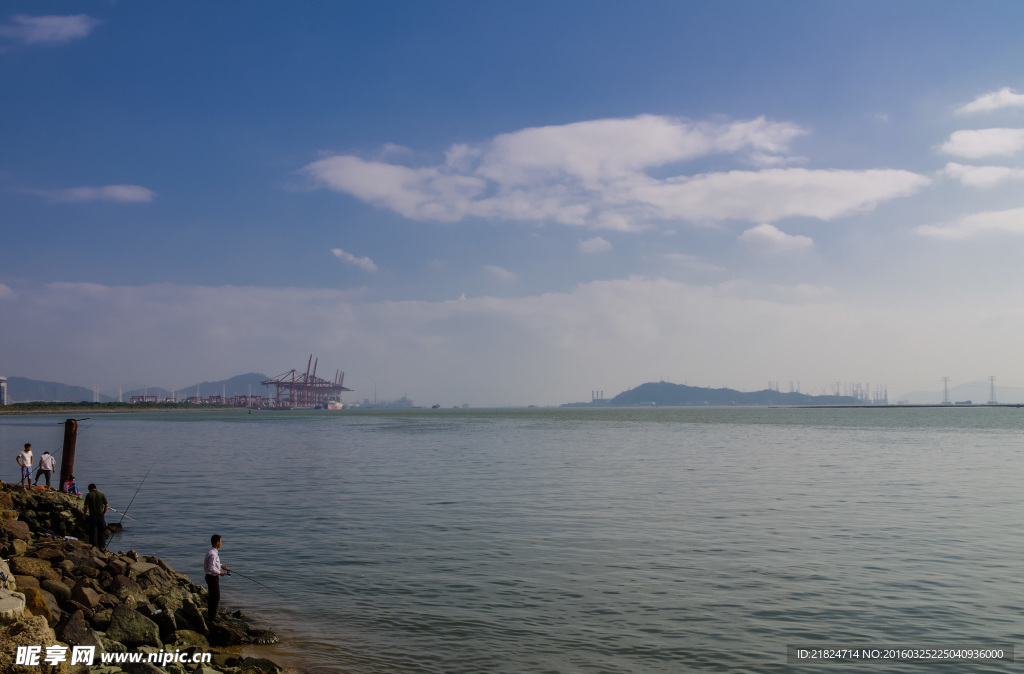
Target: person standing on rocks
(25,461)
(95,524)
(46,465)
(214,570)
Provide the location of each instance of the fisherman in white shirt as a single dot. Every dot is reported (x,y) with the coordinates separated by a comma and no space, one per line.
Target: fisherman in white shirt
(46,465)
(214,570)
(25,461)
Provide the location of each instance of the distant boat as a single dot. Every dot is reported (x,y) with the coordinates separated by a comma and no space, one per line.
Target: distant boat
(963,402)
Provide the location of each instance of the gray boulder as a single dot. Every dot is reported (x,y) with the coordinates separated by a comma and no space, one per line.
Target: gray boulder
(131,628)
(58,589)
(85,595)
(122,587)
(30,566)
(72,629)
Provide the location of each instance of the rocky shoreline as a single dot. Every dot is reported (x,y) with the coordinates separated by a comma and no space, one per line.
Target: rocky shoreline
(59,591)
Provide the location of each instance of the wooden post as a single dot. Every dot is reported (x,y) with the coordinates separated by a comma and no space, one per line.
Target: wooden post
(67,459)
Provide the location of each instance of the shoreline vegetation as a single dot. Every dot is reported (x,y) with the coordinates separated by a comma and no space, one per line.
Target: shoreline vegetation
(57,590)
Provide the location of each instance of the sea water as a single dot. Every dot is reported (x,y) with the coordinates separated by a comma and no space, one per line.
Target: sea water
(579,540)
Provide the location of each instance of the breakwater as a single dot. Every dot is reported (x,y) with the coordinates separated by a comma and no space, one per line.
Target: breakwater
(56,590)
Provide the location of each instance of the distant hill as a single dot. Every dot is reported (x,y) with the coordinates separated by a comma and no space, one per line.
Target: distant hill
(235,386)
(664,393)
(23,389)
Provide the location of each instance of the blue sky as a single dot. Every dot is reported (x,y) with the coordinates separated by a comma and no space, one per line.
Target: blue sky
(512,203)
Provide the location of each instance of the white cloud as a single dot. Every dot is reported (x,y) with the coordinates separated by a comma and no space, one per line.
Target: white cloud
(501,273)
(595,245)
(6,293)
(763,160)
(596,174)
(391,149)
(48,30)
(773,194)
(978,143)
(982,176)
(768,239)
(596,151)
(126,194)
(994,100)
(692,262)
(418,194)
(977,224)
(364,263)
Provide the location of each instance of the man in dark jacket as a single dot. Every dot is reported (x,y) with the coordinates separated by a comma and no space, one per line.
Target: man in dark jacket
(95,524)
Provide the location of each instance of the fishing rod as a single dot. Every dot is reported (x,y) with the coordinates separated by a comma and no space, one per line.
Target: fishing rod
(125,513)
(230,572)
(118,529)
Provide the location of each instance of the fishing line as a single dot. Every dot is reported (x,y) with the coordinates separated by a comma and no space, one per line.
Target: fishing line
(120,529)
(125,513)
(230,572)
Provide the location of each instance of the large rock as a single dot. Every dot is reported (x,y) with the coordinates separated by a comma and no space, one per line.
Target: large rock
(173,599)
(73,629)
(111,646)
(16,529)
(85,595)
(30,566)
(50,554)
(167,624)
(26,581)
(32,631)
(12,606)
(36,604)
(92,638)
(132,628)
(187,638)
(228,633)
(15,547)
(123,587)
(155,581)
(139,568)
(7,581)
(101,619)
(53,605)
(191,617)
(71,606)
(59,590)
(117,567)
